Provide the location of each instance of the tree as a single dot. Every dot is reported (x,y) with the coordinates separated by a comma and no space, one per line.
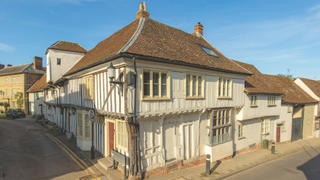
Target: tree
(19,99)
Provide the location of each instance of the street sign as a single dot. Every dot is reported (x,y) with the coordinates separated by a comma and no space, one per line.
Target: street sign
(91,113)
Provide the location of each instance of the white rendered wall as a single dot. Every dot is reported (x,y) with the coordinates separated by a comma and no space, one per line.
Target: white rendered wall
(303,86)
(84,145)
(261,110)
(68,60)
(286,117)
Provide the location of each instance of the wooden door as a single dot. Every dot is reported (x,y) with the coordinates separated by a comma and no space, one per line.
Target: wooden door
(278,133)
(169,142)
(111,137)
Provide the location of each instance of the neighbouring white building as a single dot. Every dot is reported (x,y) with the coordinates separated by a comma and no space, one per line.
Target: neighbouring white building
(312,87)
(36,97)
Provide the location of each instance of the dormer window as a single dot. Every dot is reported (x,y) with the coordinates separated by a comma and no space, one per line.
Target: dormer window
(209,51)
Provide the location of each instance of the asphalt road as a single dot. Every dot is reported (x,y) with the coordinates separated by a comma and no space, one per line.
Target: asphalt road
(26,152)
(298,166)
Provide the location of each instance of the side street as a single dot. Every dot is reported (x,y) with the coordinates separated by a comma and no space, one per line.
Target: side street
(152,101)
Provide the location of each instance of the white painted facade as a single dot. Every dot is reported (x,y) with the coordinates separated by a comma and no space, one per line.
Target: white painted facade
(286,115)
(68,60)
(36,101)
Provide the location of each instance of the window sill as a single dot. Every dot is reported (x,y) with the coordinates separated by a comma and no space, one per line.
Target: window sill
(195,97)
(283,131)
(273,105)
(224,97)
(265,133)
(212,145)
(239,138)
(254,106)
(122,148)
(84,139)
(156,99)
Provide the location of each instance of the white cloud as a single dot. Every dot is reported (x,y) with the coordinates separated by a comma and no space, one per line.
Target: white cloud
(315,7)
(4,47)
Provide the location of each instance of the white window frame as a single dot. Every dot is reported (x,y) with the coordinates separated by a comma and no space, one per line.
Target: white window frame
(7,94)
(13,80)
(224,89)
(151,95)
(13,92)
(265,126)
(272,100)
(58,61)
(18,79)
(194,86)
(7,80)
(122,135)
(18,90)
(220,123)
(240,130)
(253,101)
(81,126)
(87,87)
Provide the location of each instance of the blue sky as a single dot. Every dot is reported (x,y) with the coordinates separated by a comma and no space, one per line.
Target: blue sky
(272,35)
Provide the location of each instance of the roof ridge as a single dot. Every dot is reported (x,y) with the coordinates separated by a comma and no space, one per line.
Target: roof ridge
(134,36)
(241,66)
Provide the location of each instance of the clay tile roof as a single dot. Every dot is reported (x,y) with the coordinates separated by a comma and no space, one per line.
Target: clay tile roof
(159,41)
(258,82)
(36,87)
(292,92)
(67,46)
(313,85)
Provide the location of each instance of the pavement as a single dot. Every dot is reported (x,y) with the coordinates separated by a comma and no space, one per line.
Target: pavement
(219,170)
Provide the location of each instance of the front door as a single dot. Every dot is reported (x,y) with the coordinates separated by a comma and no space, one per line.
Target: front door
(278,133)
(111,137)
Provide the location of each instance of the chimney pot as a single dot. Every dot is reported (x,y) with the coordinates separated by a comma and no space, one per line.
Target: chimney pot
(9,65)
(142,11)
(1,66)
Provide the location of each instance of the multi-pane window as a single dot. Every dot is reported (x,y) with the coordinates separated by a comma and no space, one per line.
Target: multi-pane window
(88,87)
(13,104)
(80,129)
(253,101)
(219,130)
(194,86)
(271,100)
(18,90)
(283,127)
(7,94)
(265,126)
(13,80)
(83,125)
(155,84)
(122,135)
(240,130)
(18,79)
(6,80)
(58,61)
(13,92)
(225,87)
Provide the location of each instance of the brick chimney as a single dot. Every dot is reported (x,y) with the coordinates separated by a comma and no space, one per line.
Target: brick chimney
(1,66)
(142,11)
(9,65)
(37,62)
(198,28)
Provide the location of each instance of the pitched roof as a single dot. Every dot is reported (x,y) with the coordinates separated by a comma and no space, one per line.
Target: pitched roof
(20,69)
(313,85)
(258,82)
(148,38)
(67,46)
(292,92)
(36,87)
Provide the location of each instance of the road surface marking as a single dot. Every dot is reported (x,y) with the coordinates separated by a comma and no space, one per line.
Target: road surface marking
(66,149)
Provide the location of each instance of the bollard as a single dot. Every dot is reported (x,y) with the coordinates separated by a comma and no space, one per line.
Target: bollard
(208,164)
(273,148)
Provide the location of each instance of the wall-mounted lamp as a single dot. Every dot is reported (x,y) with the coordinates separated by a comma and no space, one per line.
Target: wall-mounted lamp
(111,74)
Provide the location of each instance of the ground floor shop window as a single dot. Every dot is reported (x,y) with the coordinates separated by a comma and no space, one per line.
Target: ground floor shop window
(219,128)
(83,125)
